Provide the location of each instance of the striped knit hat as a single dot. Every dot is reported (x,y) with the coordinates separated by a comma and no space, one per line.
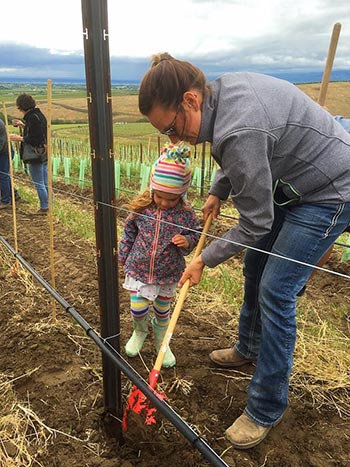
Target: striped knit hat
(172,172)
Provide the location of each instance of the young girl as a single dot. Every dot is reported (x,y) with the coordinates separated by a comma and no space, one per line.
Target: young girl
(162,229)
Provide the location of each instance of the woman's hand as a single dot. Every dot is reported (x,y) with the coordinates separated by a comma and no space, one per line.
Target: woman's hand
(211,206)
(180,241)
(15,137)
(16,122)
(193,272)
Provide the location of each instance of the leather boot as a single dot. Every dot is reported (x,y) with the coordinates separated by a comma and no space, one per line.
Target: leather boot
(159,333)
(229,358)
(245,434)
(135,343)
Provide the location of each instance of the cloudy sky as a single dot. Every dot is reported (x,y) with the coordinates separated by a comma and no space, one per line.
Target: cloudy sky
(43,38)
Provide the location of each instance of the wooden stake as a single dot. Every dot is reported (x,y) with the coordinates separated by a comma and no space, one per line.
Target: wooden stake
(329,63)
(148,148)
(322,97)
(50,194)
(9,148)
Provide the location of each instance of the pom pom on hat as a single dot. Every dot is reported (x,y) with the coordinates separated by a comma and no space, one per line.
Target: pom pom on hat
(171,172)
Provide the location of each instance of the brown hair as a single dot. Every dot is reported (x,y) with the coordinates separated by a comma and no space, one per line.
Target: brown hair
(25,102)
(144,200)
(140,202)
(166,81)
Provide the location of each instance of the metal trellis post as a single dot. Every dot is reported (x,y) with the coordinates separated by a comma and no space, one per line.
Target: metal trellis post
(98,87)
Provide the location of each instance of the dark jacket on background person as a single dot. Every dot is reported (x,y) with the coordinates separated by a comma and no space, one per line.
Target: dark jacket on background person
(35,129)
(4,148)
(3,139)
(5,180)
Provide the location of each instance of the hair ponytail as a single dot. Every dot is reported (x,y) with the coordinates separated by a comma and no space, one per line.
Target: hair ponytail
(166,81)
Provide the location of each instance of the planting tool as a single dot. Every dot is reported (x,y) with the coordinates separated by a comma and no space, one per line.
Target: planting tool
(137,401)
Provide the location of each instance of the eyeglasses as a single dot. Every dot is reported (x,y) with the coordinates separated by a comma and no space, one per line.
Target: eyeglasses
(171,130)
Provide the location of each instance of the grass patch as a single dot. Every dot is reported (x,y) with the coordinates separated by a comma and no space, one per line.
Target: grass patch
(80,221)
(77,218)
(223,282)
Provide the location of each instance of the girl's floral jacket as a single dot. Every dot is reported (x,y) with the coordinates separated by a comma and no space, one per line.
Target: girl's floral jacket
(146,250)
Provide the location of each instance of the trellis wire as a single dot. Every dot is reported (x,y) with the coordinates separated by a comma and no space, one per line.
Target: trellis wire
(214,237)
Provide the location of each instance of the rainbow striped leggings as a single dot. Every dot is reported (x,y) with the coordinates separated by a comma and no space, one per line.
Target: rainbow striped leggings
(140,306)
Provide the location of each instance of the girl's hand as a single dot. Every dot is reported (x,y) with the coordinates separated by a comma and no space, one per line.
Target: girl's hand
(211,206)
(180,241)
(193,272)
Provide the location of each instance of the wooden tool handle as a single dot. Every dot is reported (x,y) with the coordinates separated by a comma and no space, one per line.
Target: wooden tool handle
(179,304)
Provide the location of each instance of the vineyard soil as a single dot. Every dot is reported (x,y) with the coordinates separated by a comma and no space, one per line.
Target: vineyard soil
(56,371)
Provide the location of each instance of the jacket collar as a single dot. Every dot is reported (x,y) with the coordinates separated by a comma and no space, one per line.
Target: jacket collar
(208,115)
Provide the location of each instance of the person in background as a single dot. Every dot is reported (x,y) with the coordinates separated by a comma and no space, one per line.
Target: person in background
(285,163)
(34,127)
(345,122)
(5,179)
(161,230)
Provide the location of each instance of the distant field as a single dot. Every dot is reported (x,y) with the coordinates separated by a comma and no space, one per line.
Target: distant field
(69,104)
(74,109)
(338,96)
(70,113)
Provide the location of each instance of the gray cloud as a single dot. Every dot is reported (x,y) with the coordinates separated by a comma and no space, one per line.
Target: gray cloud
(275,54)
(26,61)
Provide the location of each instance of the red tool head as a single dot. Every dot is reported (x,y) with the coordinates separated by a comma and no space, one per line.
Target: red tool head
(139,403)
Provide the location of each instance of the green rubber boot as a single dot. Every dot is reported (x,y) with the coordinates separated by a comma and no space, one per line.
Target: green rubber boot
(159,333)
(135,343)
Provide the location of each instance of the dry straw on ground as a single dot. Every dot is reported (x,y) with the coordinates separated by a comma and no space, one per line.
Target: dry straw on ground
(21,437)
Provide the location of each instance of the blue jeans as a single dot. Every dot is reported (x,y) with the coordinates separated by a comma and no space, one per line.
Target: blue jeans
(38,173)
(5,180)
(267,326)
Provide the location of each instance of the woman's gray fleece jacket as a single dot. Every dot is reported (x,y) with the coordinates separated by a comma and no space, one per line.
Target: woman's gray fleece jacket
(266,132)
